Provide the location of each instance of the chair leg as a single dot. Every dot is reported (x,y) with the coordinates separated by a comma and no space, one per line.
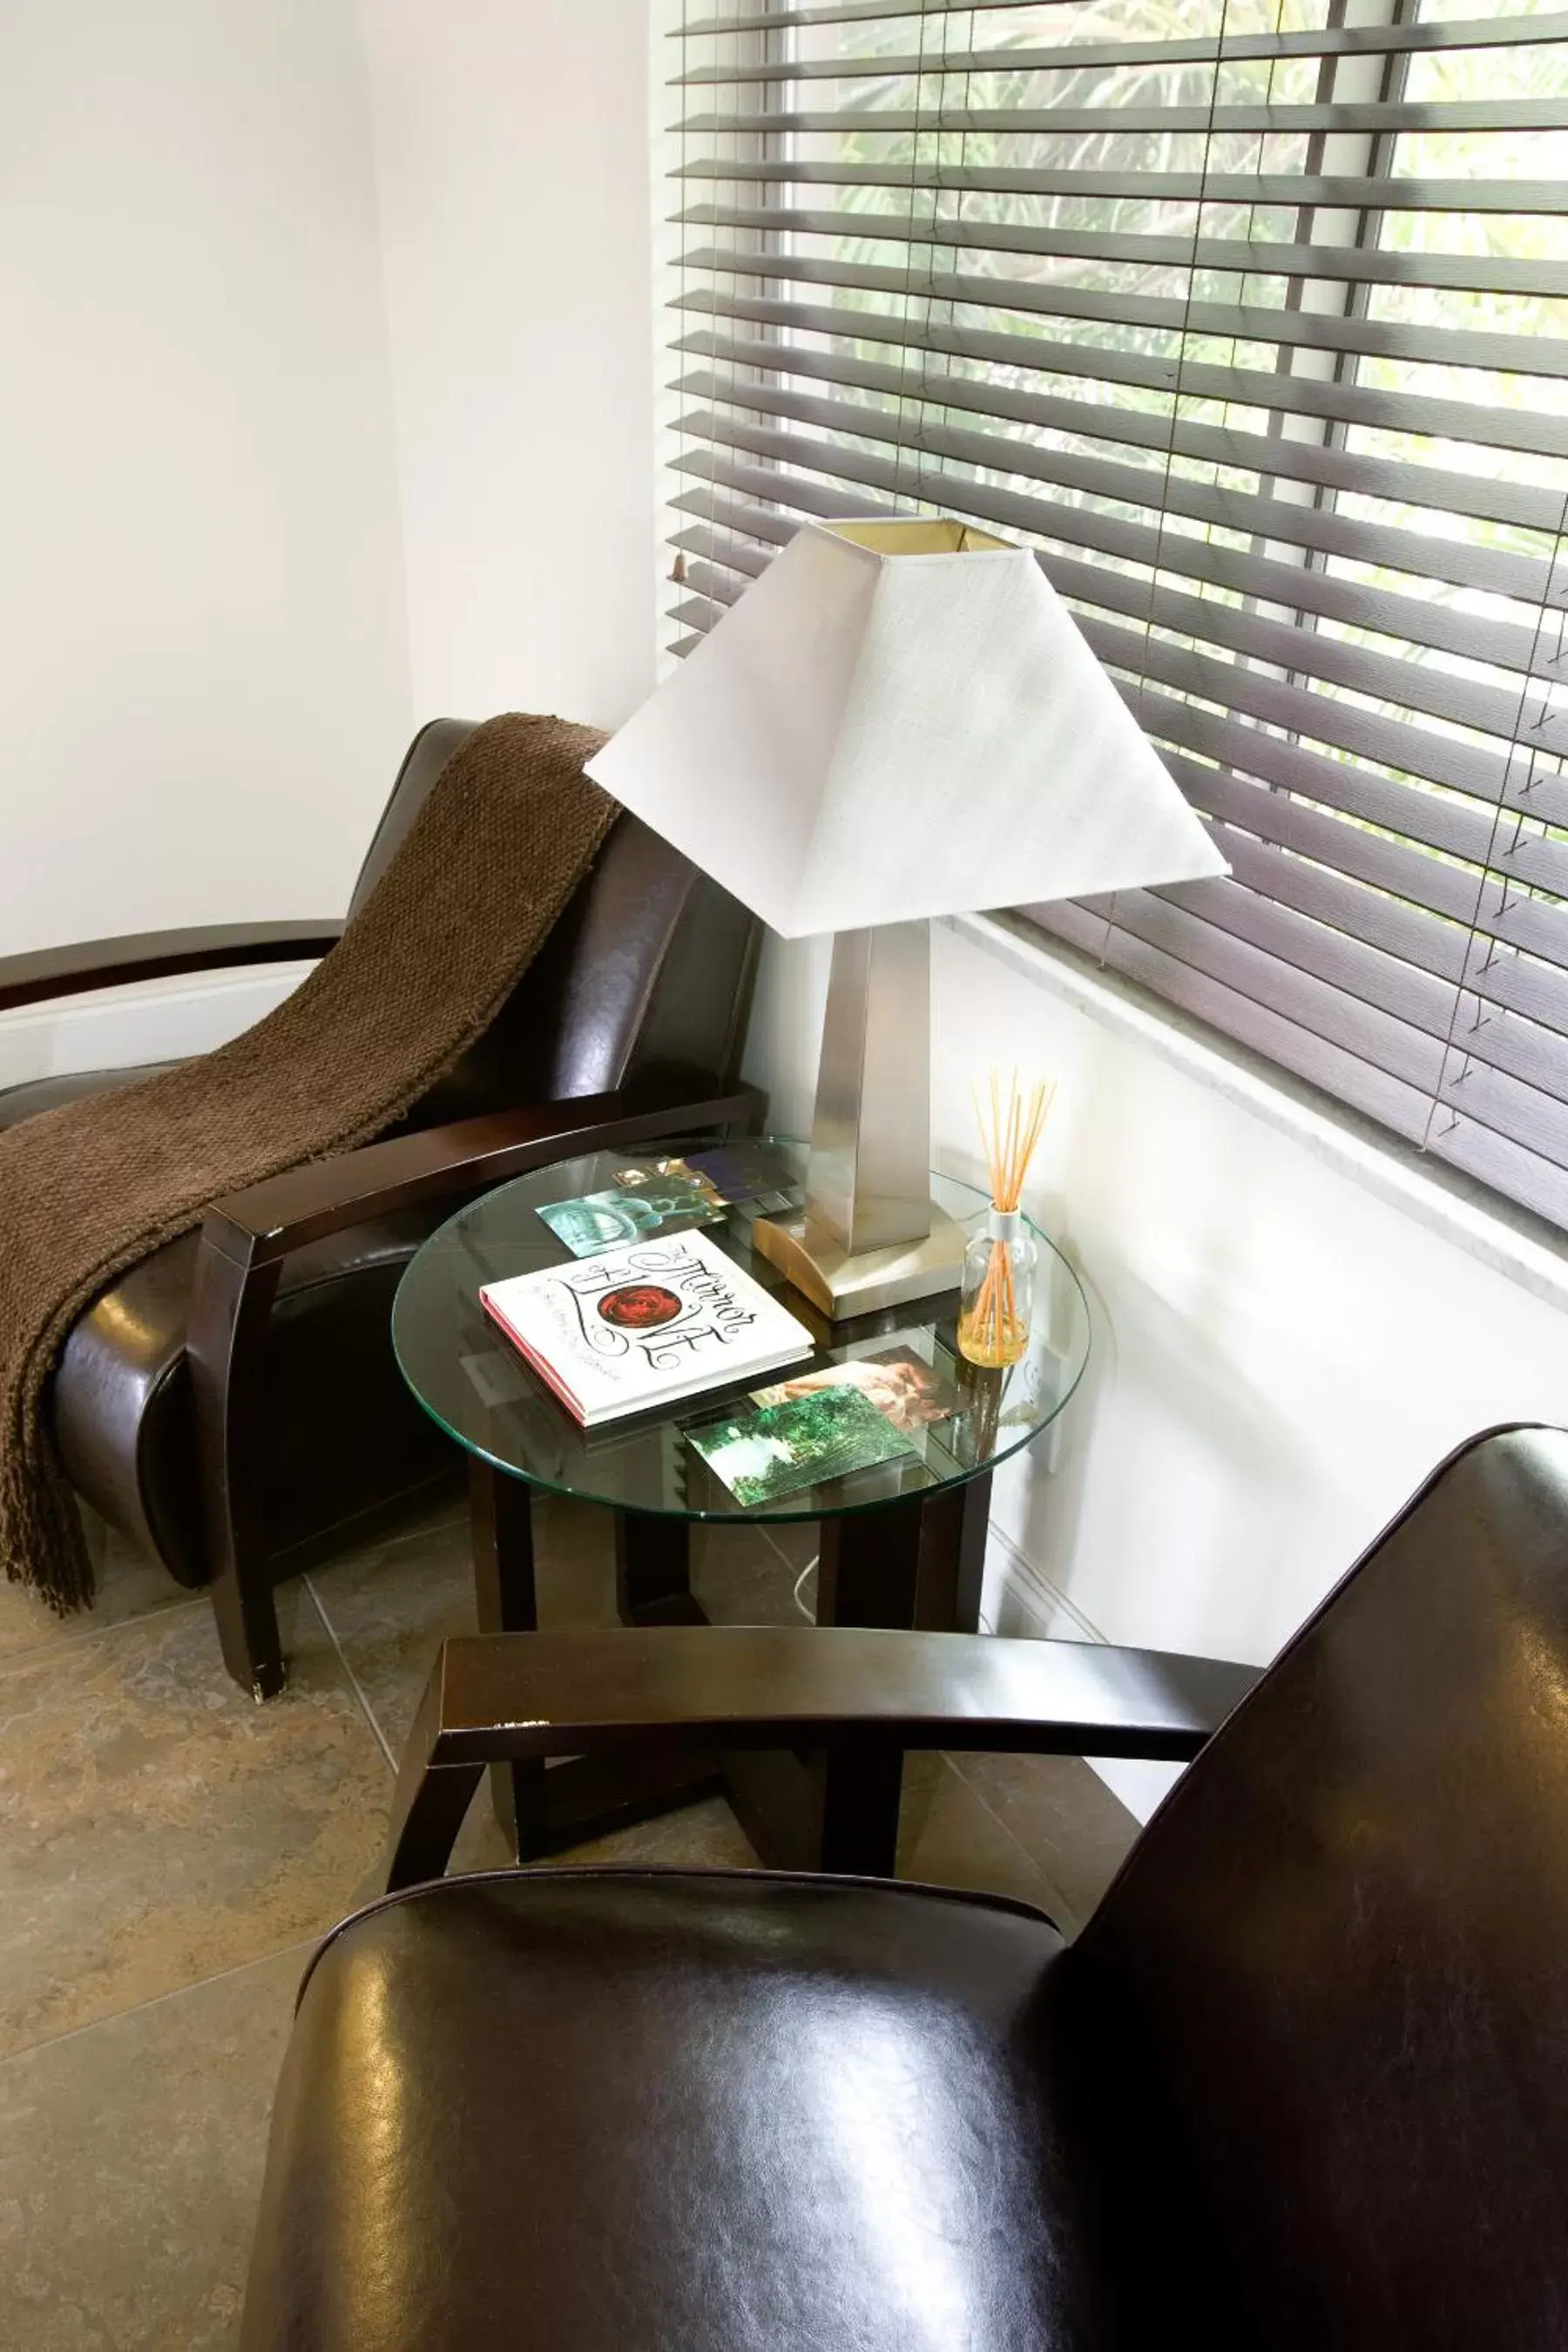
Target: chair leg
(248,1631)
(501,1518)
(231,1308)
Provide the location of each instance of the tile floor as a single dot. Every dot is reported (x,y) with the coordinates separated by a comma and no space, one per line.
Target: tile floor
(168,1850)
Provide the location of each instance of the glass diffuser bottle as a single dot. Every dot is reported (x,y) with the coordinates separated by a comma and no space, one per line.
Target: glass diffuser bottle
(998,1291)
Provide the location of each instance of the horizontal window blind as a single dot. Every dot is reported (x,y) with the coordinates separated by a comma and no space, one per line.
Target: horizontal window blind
(1251,318)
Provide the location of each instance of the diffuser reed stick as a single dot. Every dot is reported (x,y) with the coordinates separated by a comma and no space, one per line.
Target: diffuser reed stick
(994,1315)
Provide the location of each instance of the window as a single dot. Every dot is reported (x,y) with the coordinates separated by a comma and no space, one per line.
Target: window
(1251,317)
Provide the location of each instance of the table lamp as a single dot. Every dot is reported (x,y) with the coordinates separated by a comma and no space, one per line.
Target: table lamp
(898,719)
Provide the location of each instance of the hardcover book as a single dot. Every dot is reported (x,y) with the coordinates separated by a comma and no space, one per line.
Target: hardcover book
(641,1327)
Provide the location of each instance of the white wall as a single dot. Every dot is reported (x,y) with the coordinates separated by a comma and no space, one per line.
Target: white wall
(204,681)
(217,452)
(512,138)
(1280,1355)
(149,1021)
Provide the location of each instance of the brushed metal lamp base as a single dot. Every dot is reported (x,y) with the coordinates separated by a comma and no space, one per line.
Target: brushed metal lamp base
(871,1236)
(844,1283)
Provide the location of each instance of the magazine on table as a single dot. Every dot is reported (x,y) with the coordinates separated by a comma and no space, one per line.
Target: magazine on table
(645,1325)
(668,1195)
(764,1452)
(827,1421)
(897,1379)
(661,1196)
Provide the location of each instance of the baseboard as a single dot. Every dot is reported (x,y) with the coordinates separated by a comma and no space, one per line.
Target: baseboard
(1019,1598)
(149,1021)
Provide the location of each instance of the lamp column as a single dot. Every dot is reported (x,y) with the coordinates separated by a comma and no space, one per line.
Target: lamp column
(871,1132)
(871,1236)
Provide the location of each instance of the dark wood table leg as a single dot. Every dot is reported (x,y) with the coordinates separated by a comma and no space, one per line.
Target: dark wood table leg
(653,1572)
(953,1528)
(542,1808)
(500,1512)
(913,1563)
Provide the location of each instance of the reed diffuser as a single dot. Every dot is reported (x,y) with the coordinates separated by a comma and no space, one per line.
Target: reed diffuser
(999,1265)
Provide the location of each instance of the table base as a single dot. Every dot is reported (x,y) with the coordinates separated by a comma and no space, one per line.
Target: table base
(916,1563)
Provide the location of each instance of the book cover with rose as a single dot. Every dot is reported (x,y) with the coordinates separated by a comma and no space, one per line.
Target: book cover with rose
(643,1325)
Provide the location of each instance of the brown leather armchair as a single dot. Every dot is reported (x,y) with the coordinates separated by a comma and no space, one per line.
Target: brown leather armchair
(231,1405)
(1300,2083)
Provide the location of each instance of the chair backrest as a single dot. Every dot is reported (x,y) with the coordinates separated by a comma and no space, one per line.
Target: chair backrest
(1341,1946)
(649,967)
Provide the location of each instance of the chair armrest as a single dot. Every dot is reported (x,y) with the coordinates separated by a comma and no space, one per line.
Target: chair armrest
(507,1697)
(47,972)
(267,1220)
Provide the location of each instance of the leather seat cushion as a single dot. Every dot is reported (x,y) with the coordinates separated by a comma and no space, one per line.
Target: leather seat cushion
(630,2112)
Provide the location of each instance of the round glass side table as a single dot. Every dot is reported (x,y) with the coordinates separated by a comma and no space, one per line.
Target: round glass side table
(902,1542)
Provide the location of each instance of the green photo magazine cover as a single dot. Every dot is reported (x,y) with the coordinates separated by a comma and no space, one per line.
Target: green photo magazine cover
(771,1450)
(897,1381)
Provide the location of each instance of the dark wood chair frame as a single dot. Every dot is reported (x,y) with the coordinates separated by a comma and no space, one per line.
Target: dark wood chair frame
(246,1238)
(857,1699)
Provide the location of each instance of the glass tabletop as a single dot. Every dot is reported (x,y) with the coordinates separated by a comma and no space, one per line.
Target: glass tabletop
(957,1419)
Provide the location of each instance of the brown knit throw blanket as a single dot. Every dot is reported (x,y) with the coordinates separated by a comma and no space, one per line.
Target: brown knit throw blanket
(86,1191)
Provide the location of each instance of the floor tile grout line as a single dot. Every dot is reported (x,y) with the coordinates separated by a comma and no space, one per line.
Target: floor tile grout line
(353,1681)
(1069,1915)
(773,1543)
(32,1650)
(303,1944)
(51,1649)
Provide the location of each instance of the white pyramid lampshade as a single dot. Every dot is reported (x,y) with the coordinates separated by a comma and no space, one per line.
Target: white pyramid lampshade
(902,720)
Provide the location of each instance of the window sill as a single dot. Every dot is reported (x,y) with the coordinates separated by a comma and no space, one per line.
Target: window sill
(1512,1244)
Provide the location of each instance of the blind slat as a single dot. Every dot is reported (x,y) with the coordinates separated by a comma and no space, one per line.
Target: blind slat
(1312,921)
(1259,256)
(1245,321)
(1326,41)
(1524,504)
(1526,929)
(1384,117)
(1431,625)
(1440,692)
(1282,1038)
(1534,430)
(1323,530)
(1388,678)
(1406,936)
(1418,1055)
(1455,827)
(1315,592)
(1437,758)
(848,12)
(1341,193)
